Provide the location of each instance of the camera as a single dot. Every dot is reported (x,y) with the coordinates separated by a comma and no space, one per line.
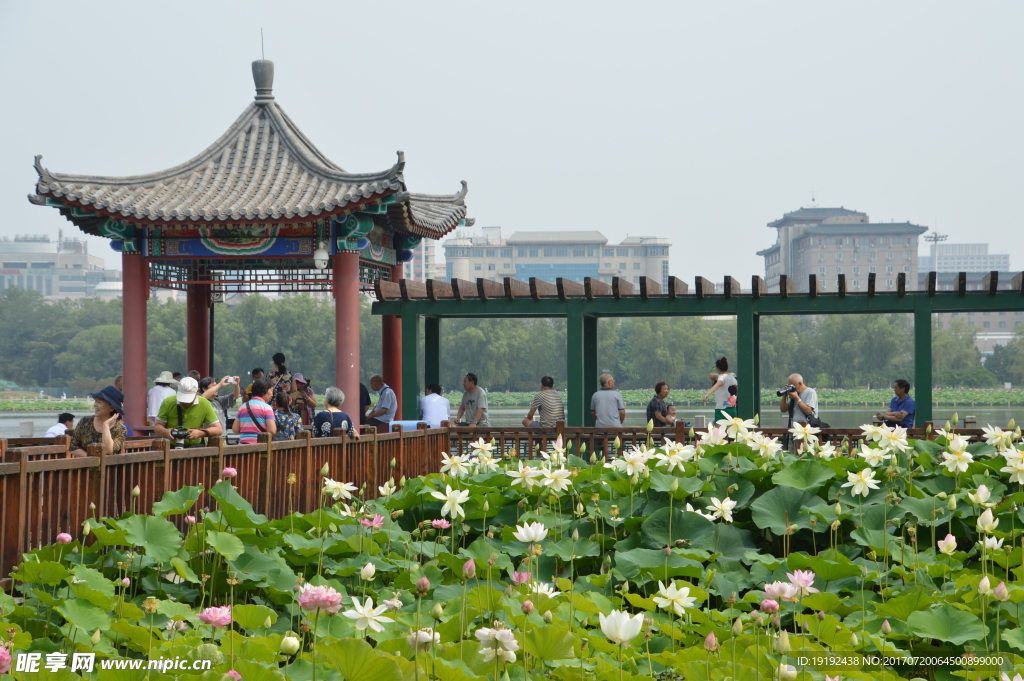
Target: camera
(179,435)
(230,380)
(785,391)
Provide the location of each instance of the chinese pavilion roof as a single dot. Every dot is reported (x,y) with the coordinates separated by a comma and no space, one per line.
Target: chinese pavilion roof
(263,169)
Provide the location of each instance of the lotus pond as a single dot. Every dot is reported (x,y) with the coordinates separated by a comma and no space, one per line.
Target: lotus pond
(726,559)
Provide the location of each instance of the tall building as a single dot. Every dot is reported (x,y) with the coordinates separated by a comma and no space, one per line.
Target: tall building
(56,269)
(963,258)
(549,255)
(832,241)
(423,265)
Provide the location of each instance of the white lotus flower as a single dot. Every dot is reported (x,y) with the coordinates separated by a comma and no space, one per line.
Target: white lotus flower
(671,597)
(874,457)
(543,589)
(861,482)
(999,438)
(368,571)
(871,432)
(957,461)
(713,438)
(524,475)
(619,627)
(805,432)
(456,466)
(1015,468)
(992,544)
(722,509)
(764,445)
(485,463)
(981,496)
(893,438)
(367,616)
(947,545)
(709,516)
(453,500)
(339,490)
(632,462)
(530,533)
(497,643)
(388,488)
(987,522)
(557,480)
(422,640)
(480,447)
(825,450)
(672,455)
(735,427)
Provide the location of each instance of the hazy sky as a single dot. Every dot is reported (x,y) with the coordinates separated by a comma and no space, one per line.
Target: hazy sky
(699,122)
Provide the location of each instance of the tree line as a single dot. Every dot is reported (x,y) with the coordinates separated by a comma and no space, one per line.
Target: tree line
(78,344)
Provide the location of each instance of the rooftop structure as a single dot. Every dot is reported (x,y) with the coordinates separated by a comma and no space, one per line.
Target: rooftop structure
(61,269)
(828,242)
(261,209)
(573,255)
(963,258)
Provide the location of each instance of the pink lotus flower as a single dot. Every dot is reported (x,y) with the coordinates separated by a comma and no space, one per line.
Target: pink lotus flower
(63,538)
(5,660)
(711,643)
(190,519)
(803,580)
(780,591)
(228,472)
(441,524)
(469,569)
(769,606)
(423,585)
(519,578)
(376,522)
(126,581)
(233,674)
(218,617)
(320,598)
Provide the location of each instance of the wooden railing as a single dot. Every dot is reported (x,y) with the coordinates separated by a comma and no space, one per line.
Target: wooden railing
(43,492)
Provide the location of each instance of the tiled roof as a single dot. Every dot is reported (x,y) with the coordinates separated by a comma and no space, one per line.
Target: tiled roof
(262,169)
(815,213)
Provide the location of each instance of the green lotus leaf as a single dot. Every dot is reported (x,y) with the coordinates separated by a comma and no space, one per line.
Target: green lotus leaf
(782,507)
(178,502)
(804,475)
(158,536)
(227,545)
(550,642)
(946,623)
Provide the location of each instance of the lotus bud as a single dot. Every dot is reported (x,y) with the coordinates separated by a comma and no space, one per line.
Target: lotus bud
(835,524)
(325,470)
(927,431)
(821,615)
(956,417)
(886,627)
(1000,593)
(393,462)
(86,528)
(854,641)
(395,515)
(782,645)
(289,645)
(469,569)
(635,479)
(548,617)
(756,618)
(675,486)
(625,587)
(190,519)
(126,581)
(839,508)
(267,623)
(292,478)
(528,608)
(136,491)
(940,495)
(757,419)
(776,622)
(668,550)
(583,448)
(437,612)
(618,443)
(401,481)
(96,636)
(770,606)
(692,434)
(711,643)
(984,586)
(487,506)
(368,571)
(423,586)
(92,507)
(576,534)
(951,504)
(593,459)
(737,627)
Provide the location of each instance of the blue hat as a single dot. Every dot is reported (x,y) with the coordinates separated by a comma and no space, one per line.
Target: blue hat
(112,395)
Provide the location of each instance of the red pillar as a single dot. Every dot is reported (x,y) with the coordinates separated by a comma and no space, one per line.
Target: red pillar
(198,319)
(391,340)
(135,291)
(345,272)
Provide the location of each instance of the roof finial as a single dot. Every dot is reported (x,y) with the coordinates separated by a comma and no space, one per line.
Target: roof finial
(263,76)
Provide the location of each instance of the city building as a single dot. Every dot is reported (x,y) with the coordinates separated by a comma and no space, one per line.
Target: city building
(57,269)
(424,263)
(832,241)
(991,328)
(963,258)
(549,255)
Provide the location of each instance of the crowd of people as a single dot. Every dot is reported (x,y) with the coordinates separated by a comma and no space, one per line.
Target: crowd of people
(188,409)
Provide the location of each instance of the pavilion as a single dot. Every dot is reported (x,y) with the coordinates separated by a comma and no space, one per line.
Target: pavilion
(261,209)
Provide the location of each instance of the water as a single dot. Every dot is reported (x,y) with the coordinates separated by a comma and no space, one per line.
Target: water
(10,424)
(837,417)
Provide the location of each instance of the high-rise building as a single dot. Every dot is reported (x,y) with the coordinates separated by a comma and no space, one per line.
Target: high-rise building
(832,241)
(56,269)
(423,265)
(963,258)
(549,255)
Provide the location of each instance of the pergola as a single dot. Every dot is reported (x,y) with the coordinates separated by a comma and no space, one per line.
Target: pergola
(260,210)
(581,305)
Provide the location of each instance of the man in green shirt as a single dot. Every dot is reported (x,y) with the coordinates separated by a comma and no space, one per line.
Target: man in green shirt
(196,414)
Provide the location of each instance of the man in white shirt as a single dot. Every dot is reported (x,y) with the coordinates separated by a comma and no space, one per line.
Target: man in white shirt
(65,424)
(434,408)
(158,393)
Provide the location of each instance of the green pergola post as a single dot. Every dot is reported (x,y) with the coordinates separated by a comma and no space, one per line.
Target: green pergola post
(590,370)
(574,339)
(923,360)
(748,399)
(431,350)
(410,368)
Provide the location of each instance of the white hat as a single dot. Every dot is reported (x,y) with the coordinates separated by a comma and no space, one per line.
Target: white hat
(164,377)
(187,389)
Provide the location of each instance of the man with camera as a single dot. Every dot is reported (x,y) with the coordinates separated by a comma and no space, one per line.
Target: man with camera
(800,401)
(186,417)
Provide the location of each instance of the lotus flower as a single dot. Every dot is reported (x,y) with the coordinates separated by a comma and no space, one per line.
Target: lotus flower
(524,476)
(722,509)
(388,488)
(367,616)
(63,538)
(781,591)
(674,598)
(803,580)
(339,490)
(981,496)
(422,640)
(325,598)
(1001,593)
(861,482)
(804,432)
(217,617)
(557,479)
(440,524)
(368,571)
(947,545)
(987,522)
(632,462)
(520,578)
(992,544)
(769,606)
(5,660)
(874,457)
(228,472)
(497,643)
(454,466)
(619,627)
(375,523)
(453,500)
(531,532)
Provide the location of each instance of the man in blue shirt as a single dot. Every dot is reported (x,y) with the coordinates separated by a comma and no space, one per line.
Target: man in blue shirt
(902,407)
(387,403)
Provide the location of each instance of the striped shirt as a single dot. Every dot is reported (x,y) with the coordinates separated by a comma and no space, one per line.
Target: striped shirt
(248,430)
(550,409)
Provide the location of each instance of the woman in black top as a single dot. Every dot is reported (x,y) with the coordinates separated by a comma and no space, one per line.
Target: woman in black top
(333,418)
(657,410)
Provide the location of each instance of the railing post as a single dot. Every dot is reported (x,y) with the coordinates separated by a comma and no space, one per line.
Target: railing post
(306,475)
(923,359)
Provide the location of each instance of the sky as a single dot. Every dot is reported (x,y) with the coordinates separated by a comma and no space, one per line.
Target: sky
(699,122)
